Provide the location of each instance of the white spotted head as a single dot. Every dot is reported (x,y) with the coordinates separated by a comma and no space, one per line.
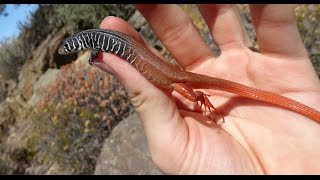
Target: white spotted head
(70,45)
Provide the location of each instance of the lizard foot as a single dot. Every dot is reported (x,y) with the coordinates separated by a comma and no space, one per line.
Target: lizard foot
(204,101)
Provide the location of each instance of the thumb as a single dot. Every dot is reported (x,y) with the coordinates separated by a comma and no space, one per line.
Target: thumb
(156,107)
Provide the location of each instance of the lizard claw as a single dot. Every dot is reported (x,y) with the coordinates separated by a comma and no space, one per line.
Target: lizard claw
(207,105)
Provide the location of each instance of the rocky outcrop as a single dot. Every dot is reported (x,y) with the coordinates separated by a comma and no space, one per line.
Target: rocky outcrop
(46,79)
(38,63)
(125,151)
(15,104)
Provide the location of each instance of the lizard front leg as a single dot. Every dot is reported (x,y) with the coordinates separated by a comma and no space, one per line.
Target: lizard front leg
(93,55)
(195,96)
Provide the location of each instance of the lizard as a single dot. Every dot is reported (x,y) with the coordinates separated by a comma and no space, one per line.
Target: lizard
(164,74)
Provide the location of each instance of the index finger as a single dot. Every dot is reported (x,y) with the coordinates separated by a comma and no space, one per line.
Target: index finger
(177,32)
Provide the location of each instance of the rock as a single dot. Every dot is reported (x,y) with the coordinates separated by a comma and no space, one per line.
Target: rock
(11,87)
(39,62)
(137,20)
(82,61)
(5,114)
(125,151)
(46,79)
(15,103)
(6,87)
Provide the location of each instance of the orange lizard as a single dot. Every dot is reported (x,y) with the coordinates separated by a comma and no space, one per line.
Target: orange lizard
(165,75)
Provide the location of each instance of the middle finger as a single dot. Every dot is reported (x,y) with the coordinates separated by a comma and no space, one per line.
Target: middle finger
(225,25)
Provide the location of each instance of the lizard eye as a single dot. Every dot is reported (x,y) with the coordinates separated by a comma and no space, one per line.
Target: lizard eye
(66,47)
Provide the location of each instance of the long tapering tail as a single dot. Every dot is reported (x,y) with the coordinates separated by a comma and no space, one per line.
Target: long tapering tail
(253,93)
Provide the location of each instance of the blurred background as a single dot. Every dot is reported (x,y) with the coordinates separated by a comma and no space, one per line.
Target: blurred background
(58,115)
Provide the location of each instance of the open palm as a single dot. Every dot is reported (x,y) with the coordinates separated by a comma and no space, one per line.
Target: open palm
(256,137)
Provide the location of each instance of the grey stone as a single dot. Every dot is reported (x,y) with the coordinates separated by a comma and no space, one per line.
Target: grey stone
(125,151)
(46,79)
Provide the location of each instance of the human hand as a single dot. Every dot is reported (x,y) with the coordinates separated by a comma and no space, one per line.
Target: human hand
(256,138)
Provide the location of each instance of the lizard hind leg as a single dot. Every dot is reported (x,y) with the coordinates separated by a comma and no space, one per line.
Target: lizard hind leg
(203,99)
(196,96)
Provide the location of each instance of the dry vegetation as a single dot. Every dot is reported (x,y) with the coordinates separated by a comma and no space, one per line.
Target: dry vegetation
(67,127)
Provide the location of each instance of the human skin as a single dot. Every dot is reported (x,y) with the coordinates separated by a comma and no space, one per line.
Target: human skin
(256,138)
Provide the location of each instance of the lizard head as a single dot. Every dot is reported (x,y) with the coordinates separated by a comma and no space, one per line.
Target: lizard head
(70,45)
